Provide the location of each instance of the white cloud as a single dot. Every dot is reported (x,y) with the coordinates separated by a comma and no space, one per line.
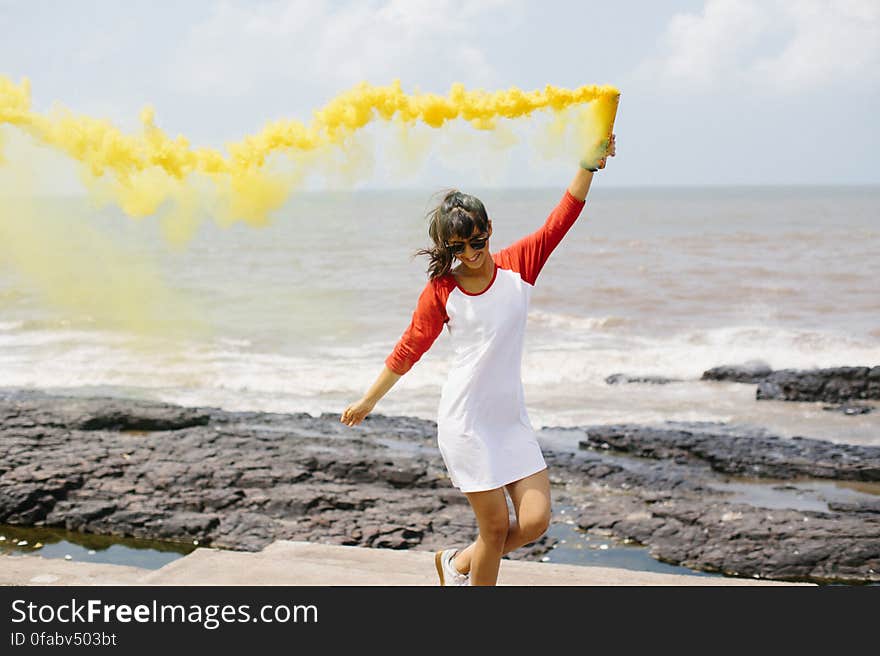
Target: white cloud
(831,41)
(701,47)
(786,45)
(335,45)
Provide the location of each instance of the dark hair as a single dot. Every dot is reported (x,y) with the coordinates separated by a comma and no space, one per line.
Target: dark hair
(456,216)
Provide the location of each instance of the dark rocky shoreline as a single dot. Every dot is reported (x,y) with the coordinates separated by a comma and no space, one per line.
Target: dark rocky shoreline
(840,385)
(243,479)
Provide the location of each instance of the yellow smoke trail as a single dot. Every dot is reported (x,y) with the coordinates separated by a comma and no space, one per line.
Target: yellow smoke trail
(80,270)
(150,168)
(92,277)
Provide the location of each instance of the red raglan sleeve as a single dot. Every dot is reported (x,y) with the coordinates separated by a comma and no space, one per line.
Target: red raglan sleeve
(427,323)
(528,255)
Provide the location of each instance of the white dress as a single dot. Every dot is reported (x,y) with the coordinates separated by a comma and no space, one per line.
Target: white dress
(483,429)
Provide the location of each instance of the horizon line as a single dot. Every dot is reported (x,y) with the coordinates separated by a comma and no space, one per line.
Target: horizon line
(429,189)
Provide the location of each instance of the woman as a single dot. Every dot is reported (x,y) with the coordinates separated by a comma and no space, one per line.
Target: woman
(483,430)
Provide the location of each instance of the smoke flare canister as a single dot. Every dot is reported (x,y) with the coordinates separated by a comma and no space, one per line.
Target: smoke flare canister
(613,102)
(605,112)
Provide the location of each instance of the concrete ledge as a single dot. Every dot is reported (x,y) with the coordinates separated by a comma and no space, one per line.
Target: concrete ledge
(36,570)
(302,563)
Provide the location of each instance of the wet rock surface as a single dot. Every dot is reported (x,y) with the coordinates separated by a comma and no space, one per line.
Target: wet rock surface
(753,371)
(849,408)
(243,479)
(832,385)
(617,379)
(234,480)
(742,454)
(672,499)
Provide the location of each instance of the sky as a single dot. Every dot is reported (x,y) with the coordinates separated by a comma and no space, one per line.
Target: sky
(713,92)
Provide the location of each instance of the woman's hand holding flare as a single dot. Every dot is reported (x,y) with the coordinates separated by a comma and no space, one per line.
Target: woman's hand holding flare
(580,186)
(598,158)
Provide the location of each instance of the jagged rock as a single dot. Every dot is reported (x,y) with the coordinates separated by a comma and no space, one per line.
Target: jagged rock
(748,541)
(834,385)
(859,507)
(753,371)
(849,408)
(616,379)
(74,515)
(185,525)
(245,531)
(214,500)
(747,453)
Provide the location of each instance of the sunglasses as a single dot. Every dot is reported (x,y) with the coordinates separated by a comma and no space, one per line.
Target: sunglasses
(457,248)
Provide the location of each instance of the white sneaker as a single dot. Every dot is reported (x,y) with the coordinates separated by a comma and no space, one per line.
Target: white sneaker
(446,570)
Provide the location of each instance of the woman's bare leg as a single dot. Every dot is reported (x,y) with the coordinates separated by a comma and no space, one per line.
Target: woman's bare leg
(531,502)
(490,507)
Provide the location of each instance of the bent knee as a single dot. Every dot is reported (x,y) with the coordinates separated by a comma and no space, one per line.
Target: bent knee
(494,530)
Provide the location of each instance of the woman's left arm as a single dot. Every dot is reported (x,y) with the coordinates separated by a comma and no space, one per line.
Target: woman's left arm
(580,186)
(528,255)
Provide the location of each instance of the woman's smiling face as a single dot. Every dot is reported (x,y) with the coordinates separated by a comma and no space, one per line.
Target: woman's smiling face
(471,257)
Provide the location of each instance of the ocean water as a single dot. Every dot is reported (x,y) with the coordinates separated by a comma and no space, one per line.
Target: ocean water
(300,314)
